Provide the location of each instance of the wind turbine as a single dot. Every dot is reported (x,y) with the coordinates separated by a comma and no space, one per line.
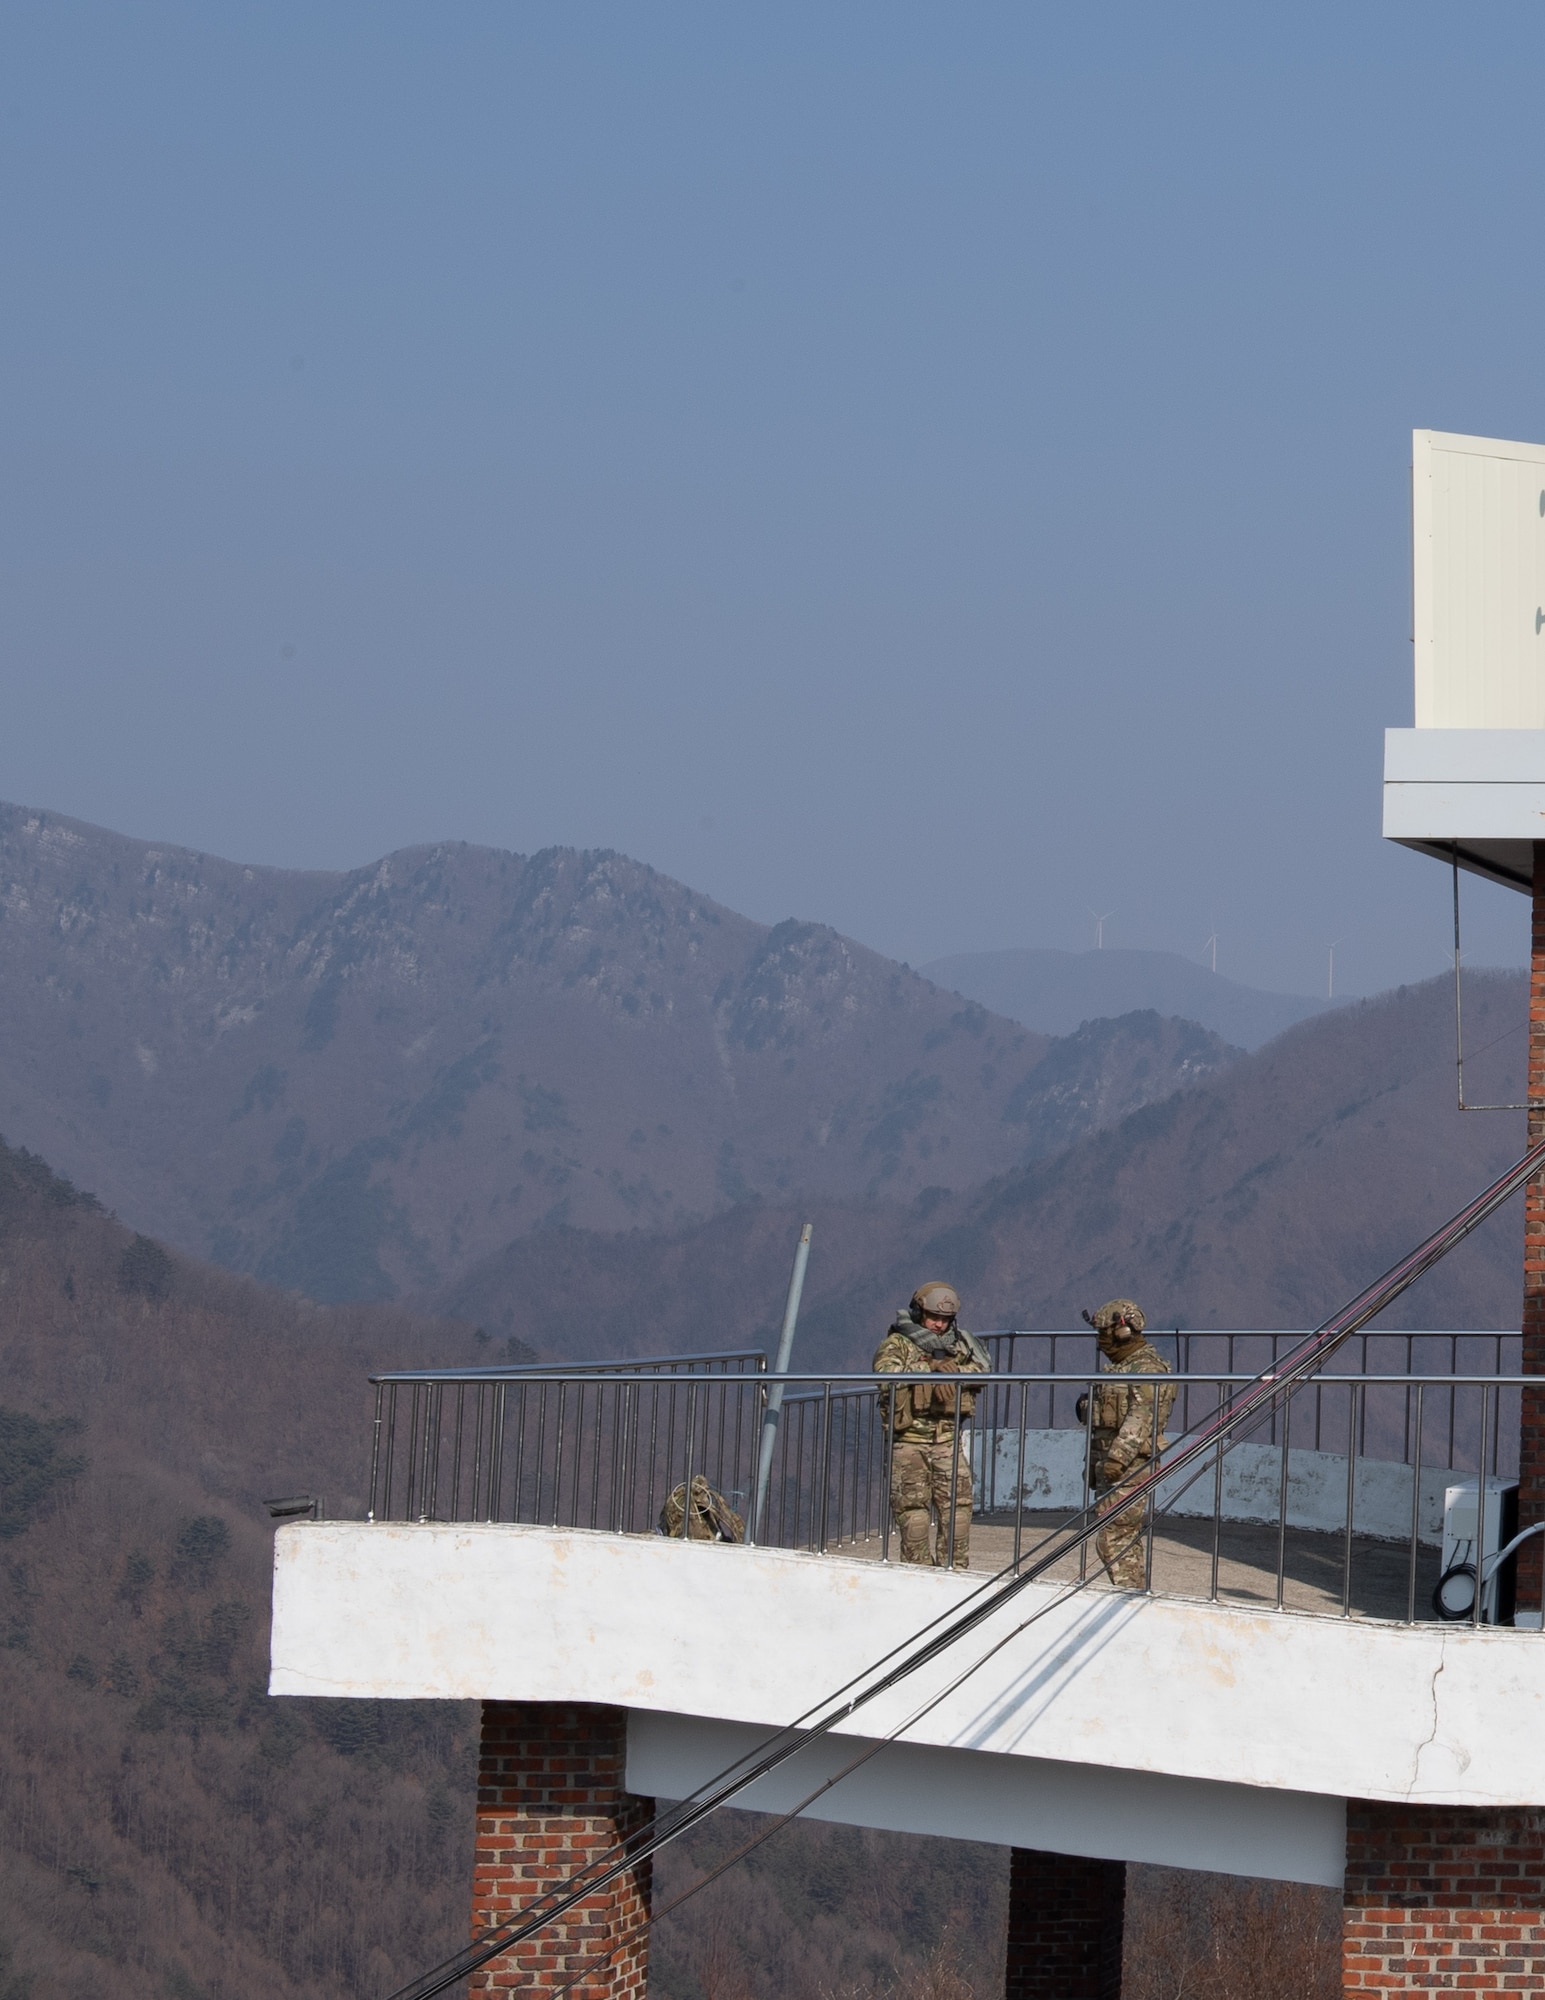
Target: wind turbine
(1330,973)
(1212,946)
(1099,928)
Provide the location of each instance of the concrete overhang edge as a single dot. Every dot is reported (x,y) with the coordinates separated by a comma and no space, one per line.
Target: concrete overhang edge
(1225,1693)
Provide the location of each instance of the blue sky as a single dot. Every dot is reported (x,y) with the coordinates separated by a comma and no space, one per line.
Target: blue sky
(929,470)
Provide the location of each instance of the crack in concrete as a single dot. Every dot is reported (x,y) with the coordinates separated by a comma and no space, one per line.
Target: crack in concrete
(1431,1736)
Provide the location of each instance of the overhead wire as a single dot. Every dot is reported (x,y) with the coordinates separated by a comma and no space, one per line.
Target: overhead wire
(871,1750)
(930,1641)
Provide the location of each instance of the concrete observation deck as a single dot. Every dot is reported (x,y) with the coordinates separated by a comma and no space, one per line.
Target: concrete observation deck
(1157,1728)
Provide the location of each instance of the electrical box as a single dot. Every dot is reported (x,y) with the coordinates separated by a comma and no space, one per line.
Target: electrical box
(1461,1502)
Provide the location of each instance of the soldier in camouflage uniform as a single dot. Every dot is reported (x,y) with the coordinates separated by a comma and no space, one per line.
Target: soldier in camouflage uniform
(711,1518)
(1126,1434)
(928,1456)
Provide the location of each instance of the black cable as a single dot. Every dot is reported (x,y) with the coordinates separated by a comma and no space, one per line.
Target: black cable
(653,1917)
(1272,1385)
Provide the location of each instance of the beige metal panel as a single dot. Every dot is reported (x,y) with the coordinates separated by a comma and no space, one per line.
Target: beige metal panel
(1478,524)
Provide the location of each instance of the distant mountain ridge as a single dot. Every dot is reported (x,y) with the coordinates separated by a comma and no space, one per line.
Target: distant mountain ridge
(355,1085)
(1265,1196)
(1055,991)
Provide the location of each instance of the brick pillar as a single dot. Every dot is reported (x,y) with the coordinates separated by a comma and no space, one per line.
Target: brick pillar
(1066,1918)
(549,1799)
(1531,1443)
(1443,1896)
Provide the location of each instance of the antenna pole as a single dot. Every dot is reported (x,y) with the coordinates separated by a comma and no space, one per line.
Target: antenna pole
(781,1368)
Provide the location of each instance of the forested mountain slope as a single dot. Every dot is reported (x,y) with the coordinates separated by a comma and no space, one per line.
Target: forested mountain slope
(166,1830)
(1264,1197)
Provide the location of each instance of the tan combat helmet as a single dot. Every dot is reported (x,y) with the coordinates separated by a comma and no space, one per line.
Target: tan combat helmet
(936,1298)
(1122,1319)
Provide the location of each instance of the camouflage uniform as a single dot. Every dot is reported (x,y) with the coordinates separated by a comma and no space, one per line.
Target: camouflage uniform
(927,1456)
(1124,1439)
(712,1518)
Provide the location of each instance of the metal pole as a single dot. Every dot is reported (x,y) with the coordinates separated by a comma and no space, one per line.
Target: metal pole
(775,1391)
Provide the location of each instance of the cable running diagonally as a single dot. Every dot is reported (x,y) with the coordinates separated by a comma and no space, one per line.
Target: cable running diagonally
(934,1639)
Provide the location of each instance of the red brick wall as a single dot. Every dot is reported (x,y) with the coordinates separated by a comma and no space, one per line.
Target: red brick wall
(550,1798)
(1443,1897)
(1066,1916)
(1531,1462)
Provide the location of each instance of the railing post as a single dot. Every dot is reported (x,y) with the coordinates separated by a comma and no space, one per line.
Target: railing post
(375,1451)
(1354,1433)
(391,1450)
(1019,1475)
(461,1412)
(1416,1509)
(1285,1405)
(826,1464)
(1477,1614)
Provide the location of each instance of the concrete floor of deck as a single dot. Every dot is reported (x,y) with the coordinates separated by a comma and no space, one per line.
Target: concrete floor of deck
(1313,1565)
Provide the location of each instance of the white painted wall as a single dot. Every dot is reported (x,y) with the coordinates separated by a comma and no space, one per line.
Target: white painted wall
(1252,1481)
(1229,1695)
(1012,1801)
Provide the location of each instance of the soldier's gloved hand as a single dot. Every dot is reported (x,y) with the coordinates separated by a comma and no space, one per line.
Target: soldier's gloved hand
(1081,1409)
(944,1364)
(1115,1469)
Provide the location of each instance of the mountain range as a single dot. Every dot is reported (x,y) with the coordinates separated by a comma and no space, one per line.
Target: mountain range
(1053,991)
(1264,1196)
(359,1085)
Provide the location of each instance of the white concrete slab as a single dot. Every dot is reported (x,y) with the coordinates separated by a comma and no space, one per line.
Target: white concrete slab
(1012,1801)
(1289,1702)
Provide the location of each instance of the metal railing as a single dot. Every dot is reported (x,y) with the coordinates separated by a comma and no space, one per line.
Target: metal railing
(497,1446)
(1331,1501)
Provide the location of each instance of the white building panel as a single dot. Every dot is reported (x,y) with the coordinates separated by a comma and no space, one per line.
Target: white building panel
(1478,521)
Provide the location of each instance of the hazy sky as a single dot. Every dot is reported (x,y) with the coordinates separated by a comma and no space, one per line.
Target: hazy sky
(930,469)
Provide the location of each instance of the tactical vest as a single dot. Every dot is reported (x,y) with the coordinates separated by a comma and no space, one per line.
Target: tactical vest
(1112,1403)
(924,1412)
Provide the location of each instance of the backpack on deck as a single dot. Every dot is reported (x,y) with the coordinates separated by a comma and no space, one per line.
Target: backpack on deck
(711,1519)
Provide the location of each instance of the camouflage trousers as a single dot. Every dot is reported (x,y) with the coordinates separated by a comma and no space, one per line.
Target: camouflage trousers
(920,1495)
(1121,1542)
